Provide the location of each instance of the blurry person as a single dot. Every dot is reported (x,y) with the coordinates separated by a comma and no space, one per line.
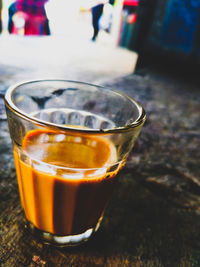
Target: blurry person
(97,11)
(29,16)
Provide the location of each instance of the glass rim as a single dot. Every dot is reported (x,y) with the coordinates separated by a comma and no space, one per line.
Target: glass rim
(12,107)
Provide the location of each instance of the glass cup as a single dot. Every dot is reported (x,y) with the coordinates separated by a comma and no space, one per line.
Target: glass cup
(70,139)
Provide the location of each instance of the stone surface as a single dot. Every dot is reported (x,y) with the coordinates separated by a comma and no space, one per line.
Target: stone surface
(153,219)
(168,148)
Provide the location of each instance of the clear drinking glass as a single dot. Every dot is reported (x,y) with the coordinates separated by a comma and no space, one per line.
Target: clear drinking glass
(70,139)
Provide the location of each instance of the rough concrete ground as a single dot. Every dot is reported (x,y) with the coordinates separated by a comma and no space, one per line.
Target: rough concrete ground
(153,218)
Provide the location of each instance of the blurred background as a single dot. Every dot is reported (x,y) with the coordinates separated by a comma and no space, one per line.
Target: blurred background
(104,37)
(55,38)
(107,34)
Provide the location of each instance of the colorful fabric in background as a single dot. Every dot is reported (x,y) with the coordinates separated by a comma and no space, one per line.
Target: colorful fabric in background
(28,17)
(0,16)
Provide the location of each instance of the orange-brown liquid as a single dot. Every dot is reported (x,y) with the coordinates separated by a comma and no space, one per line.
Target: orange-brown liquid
(64,181)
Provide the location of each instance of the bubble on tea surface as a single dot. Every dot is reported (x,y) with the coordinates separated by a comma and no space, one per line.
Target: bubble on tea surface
(60,137)
(43,138)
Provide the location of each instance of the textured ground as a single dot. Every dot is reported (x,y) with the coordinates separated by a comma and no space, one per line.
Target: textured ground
(153,218)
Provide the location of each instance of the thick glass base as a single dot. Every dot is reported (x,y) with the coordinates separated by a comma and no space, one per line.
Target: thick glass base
(61,241)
